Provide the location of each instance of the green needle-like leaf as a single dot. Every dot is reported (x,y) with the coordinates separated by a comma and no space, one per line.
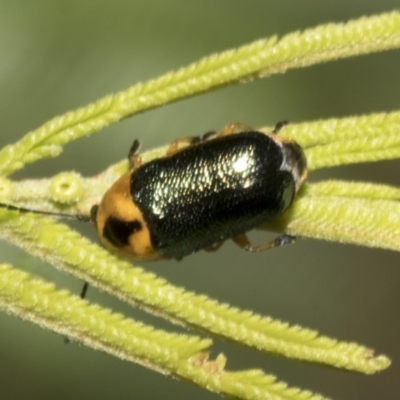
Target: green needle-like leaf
(182,356)
(258,59)
(357,214)
(68,251)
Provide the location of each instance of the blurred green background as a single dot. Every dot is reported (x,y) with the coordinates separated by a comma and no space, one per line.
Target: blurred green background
(59,55)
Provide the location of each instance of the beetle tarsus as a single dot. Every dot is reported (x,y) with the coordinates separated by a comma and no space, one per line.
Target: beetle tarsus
(243,242)
(279,126)
(285,239)
(188,140)
(133,155)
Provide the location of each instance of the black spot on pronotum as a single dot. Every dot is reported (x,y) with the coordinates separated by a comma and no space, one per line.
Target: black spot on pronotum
(117,232)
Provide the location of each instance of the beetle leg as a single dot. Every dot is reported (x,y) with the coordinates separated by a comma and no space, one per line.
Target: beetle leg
(230,129)
(279,126)
(134,158)
(208,135)
(174,146)
(214,247)
(243,242)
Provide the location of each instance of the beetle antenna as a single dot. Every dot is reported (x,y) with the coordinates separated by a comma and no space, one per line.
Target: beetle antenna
(78,217)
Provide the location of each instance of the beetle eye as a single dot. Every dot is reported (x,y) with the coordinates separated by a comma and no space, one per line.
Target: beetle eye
(93,213)
(117,232)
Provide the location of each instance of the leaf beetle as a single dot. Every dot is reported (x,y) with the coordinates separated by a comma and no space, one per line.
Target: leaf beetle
(217,187)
